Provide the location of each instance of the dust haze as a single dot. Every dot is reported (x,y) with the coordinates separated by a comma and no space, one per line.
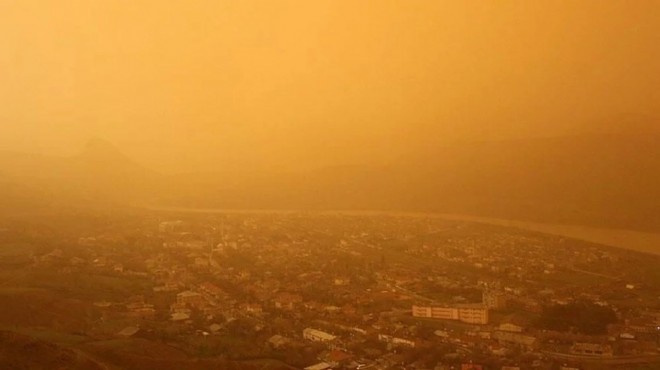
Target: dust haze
(288,86)
(330,184)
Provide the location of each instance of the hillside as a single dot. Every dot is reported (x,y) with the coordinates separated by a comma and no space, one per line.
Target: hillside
(20,352)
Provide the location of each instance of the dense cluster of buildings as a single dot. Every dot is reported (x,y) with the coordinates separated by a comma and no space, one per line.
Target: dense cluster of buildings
(357,292)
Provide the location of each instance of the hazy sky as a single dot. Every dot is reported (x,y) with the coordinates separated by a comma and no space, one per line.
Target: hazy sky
(201,84)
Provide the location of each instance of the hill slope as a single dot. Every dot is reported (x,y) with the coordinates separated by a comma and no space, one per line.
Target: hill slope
(19,351)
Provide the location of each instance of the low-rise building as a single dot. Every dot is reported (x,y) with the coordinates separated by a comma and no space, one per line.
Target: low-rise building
(287,301)
(252,308)
(396,340)
(493,299)
(508,338)
(591,349)
(317,335)
(190,298)
(513,328)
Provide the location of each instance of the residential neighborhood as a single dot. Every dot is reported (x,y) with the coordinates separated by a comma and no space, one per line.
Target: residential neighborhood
(353,291)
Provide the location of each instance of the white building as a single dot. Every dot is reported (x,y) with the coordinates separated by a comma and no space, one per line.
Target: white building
(467,314)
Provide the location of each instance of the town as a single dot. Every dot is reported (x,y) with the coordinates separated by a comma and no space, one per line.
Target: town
(350,291)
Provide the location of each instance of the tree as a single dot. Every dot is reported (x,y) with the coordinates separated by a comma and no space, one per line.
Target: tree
(581,316)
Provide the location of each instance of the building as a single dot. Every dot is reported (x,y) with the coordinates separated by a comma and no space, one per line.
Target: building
(180,316)
(278,341)
(212,290)
(507,338)
(336,357)
(473,315)
(141,310)
(591,349)
(252,308)
(190,298)
(319,366)
(129,331)
(513,328)
(170,226)
(395,340)
(287,301)
(494,300)
(444,313)
(317,335)
(467,314)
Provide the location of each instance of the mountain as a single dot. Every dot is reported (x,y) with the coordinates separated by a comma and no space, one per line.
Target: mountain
(596,179)
(606,179)
(99,174)
(101,171)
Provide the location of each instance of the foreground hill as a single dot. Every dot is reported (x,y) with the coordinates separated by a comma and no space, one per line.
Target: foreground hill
(20,352)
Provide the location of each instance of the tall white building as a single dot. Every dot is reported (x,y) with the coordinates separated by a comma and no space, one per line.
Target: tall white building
(466,314)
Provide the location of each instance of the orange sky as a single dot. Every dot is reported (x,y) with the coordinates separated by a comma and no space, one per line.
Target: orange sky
(194,85)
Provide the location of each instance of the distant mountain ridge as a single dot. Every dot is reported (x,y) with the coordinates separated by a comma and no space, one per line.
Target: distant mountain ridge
(605,180)
(601,179)
(99,174)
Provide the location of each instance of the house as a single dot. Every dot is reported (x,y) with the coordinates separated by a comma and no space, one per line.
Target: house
(252,308)
(319,366)
(278,341)
(287,301)
(591,349)
(471,314)
(317,335)
(141,310)
(513,328)
(493,299)
(212,290)
(395,340)
(336,357)
(190,298)
(180,316)
(507,338)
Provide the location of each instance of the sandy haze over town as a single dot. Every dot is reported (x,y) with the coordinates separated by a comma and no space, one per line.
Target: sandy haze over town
(330,185)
